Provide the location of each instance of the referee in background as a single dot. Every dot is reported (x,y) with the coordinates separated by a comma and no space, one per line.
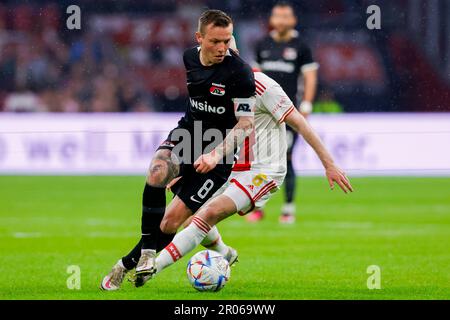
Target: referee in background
(284,57)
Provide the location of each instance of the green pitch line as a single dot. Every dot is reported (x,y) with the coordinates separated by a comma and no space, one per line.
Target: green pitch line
(401,225)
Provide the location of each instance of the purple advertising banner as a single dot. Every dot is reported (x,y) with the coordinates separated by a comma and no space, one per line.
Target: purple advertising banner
(362,144)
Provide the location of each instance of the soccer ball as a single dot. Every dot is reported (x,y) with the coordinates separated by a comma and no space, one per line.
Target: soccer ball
(208,270)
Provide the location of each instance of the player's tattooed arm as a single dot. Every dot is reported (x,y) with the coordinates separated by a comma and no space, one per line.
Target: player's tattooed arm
(233,139)
(163,169)
(244,109)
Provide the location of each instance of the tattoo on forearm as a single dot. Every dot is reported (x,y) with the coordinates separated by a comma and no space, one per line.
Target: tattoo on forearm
(235,138)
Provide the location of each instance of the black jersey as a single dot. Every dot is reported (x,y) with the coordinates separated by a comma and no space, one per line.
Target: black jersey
(283,61)
(212,88)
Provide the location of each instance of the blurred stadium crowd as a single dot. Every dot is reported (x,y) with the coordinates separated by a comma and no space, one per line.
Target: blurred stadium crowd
(127,57)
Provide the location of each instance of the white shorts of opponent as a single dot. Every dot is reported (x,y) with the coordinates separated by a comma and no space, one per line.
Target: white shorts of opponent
(250,189)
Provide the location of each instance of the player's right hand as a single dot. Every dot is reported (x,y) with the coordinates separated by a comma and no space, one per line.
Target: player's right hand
(335,174)
(206,162)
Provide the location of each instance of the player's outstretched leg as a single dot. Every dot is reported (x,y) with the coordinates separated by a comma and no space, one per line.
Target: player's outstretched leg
(190,237)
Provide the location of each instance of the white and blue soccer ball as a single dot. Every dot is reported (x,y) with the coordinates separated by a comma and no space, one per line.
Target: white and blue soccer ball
(208,270)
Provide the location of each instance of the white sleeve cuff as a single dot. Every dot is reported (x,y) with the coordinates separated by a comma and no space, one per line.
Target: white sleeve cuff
(310,67)
(306,107)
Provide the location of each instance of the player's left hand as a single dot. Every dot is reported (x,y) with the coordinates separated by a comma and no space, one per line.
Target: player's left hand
(305,107)
(335,174)
(205,163)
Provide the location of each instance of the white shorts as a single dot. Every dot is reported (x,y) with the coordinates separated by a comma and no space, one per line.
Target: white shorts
(250,189)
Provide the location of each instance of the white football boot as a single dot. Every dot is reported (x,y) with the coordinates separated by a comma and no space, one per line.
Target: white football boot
(146,267)
(287,214)
(231,256)
(113,280)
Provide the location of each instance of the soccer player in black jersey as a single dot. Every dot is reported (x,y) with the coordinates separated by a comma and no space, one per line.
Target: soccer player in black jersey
(221,97)
(283,56)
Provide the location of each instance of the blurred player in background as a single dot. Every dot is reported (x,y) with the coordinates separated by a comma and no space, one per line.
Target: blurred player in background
(283,56)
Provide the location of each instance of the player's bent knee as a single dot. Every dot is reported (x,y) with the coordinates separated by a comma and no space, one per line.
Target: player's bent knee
(169,226)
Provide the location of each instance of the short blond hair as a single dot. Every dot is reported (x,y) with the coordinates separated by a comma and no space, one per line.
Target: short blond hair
(217,17)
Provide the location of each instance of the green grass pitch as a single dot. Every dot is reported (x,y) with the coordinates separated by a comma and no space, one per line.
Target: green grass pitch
(401,225)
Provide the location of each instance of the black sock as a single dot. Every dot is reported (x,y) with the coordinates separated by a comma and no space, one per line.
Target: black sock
(153,208)
(164,239)
(130,261)
(153,237)
(290,182)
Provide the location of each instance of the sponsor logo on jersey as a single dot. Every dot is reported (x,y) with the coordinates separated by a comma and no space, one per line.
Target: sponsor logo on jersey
(265,54)
(282,103)
(204,106)
(290,54)
(281,66)
(245,107)
(217,91)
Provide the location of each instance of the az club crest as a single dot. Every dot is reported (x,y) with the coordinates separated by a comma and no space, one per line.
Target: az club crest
(217,91)
(290,54)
